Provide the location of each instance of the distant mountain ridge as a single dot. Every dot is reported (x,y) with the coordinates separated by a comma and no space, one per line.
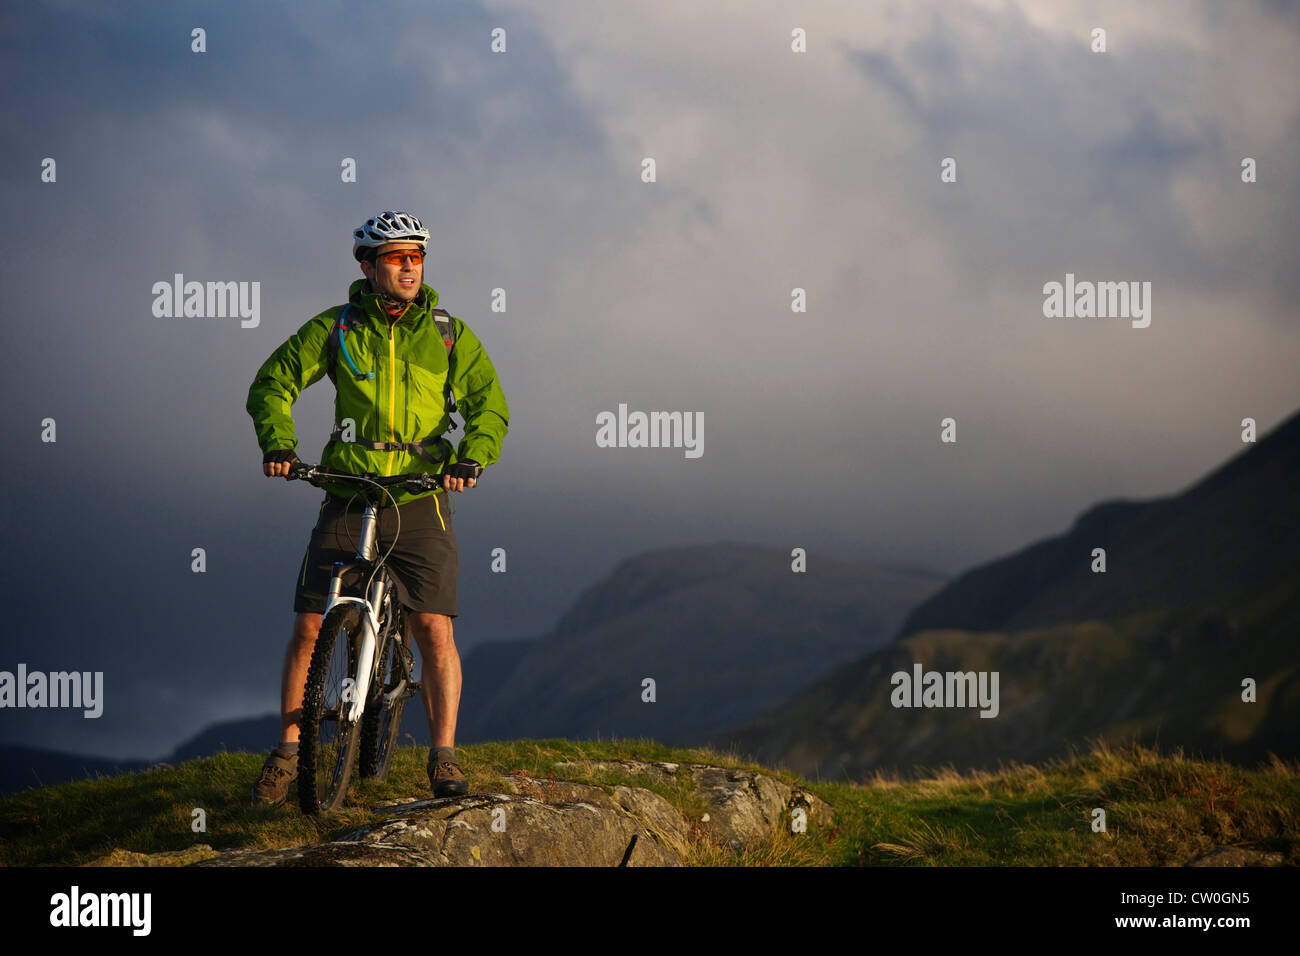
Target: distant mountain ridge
(723,630)
(1229,531)
(1201,591)
(1167,677)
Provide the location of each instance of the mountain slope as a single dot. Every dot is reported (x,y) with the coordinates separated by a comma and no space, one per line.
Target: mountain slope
(1168,677)
(1234,528)
(724,631)
(1202,591)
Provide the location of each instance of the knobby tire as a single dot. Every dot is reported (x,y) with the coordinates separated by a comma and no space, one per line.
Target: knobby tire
(328,748)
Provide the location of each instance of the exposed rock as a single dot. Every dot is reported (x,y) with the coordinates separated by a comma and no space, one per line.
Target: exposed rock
(820,813)
(651,810)
(656,814)
(743,805)
(184,857)
(1237,856)
(459,831)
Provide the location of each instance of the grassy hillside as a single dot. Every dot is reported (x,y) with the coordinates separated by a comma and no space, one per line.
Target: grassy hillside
(1160,810)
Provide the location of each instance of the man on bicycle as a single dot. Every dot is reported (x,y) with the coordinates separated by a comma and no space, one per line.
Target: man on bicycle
(399,367)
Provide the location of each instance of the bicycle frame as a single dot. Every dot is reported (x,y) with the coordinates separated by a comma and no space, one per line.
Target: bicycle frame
(367,662)
(374,730)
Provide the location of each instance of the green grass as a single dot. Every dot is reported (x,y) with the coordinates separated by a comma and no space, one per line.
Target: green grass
(1160,809)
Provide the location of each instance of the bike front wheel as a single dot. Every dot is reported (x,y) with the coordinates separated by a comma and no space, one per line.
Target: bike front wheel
(328,745)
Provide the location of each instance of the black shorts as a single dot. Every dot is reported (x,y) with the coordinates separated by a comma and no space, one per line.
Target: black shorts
(423,565)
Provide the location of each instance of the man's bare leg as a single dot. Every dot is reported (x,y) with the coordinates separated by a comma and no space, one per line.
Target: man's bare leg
(297,661)
(439,675)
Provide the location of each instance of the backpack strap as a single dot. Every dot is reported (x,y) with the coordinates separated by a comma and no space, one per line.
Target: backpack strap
(443,319)
(417,448)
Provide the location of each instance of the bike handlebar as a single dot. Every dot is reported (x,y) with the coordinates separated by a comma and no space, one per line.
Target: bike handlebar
(315,475)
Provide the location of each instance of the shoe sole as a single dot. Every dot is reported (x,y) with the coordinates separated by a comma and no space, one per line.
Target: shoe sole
(456,788)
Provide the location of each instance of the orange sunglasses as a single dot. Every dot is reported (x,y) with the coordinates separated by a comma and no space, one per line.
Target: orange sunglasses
(399,257)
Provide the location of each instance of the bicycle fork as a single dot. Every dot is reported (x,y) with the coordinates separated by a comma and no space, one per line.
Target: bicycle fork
(367,663)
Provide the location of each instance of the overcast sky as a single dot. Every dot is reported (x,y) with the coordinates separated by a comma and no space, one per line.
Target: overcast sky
(776,170)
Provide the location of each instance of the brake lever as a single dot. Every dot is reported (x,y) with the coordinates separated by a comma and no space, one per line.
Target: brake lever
(303,472)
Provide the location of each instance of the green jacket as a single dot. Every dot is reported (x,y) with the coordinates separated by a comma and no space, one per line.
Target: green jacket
(404,402)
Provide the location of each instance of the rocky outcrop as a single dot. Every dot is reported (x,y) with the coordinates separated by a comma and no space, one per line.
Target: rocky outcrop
(491,829)
(656,814)
(743,805)
(537,821)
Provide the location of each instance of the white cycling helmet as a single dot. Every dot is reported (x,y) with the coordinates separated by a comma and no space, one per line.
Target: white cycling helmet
(388,227)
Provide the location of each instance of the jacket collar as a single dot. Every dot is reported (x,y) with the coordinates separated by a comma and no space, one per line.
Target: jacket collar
(371,304)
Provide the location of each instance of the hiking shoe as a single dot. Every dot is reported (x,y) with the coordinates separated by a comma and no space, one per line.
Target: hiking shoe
(446,779)
(280,770)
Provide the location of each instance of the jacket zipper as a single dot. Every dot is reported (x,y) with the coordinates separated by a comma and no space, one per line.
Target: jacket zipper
(392,390)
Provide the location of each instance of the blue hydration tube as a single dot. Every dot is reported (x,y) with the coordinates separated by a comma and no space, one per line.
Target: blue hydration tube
(342,327)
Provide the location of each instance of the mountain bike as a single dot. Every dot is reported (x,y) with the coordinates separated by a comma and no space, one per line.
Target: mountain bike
(361,671)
